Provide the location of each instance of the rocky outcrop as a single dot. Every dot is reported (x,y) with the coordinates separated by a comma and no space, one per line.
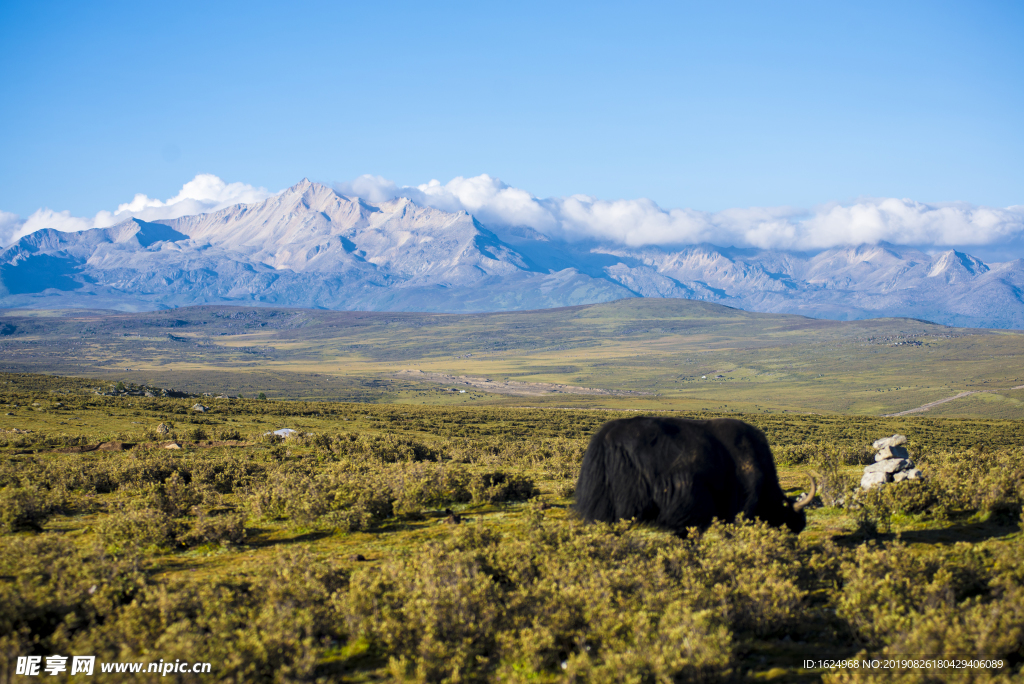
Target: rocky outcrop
(892,463)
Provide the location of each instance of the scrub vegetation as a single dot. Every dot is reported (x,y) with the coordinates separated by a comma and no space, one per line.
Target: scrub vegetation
(436,543)
(646,354)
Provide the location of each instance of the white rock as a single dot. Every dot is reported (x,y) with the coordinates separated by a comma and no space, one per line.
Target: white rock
(895,440)
(889,465)
(912,474)
(888,452)
(872,479)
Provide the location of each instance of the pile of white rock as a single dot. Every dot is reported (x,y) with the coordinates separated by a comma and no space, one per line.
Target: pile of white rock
(892,463)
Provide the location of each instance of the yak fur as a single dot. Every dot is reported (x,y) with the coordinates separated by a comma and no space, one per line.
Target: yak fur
(680,473)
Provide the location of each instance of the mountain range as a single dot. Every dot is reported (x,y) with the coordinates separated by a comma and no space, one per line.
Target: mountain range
(311,246)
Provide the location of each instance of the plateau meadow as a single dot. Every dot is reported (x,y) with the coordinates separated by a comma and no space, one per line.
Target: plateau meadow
(416,521)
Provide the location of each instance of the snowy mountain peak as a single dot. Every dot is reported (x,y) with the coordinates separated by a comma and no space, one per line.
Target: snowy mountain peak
(953,264)
(311,246)
(143,233)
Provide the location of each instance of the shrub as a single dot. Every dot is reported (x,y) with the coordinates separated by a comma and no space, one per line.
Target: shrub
(175,497)
(297,497)
(359,499)
(267,631)
(437,616)
(835,487)
(23,508)
(909,496)
(872,511)
(389,448)
(987,482)
(428,485)
(229,434)
(886,587)
(749,573)
(354,495)
(195,434)
(814,453)
(500,486)
(136,527)
(949,603)
(223,529)
(54,586)
(597,602)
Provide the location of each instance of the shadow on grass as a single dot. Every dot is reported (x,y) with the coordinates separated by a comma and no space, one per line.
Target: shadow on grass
(959,532)
(259,537)
(968,531)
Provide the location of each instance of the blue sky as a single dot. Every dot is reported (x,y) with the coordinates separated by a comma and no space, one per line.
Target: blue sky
(709,106)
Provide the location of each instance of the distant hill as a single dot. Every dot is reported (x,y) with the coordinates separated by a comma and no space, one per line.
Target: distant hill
(312,247)
(642,353)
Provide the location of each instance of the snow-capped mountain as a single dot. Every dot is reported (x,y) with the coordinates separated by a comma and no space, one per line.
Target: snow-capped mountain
(313,247)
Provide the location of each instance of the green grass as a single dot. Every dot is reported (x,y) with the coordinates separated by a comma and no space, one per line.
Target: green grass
(661,348)
(244,556)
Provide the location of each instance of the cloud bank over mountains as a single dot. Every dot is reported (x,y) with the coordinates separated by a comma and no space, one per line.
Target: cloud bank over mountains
(632,223)
(642,222)
(313,246)
(204,193)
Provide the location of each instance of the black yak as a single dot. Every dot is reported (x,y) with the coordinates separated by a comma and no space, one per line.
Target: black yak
(680,473)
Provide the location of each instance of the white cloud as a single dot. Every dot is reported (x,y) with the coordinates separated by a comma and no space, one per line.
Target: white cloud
(10,225)
(372,189)
(633,222)
(204,193)
(642,222)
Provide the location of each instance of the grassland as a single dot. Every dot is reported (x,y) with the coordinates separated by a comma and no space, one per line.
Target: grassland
(645,354)
(329,556)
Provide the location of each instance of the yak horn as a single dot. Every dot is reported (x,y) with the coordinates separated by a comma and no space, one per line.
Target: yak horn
(808,497)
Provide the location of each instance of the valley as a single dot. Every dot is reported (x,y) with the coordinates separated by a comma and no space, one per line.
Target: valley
(643,354)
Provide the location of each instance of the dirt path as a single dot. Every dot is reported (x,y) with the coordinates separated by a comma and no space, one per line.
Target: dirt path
(523,389)
(922,409)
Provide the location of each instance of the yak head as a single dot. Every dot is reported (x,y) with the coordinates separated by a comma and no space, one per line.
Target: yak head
(793,515)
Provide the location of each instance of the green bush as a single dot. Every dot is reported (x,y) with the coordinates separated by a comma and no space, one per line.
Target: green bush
(229,433)
(175,496)
(749,573)
(54,586)
(388,448)
(590,601)
(806,453)
(955,603)
(268,631)
(295,496)
(835,486)
(887,587)
(223,529)
(23,508)
(354,495)
(872,510)
(990,483)
(500,486)
(910,496)
(128,527)
(195,434)
(428,485)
